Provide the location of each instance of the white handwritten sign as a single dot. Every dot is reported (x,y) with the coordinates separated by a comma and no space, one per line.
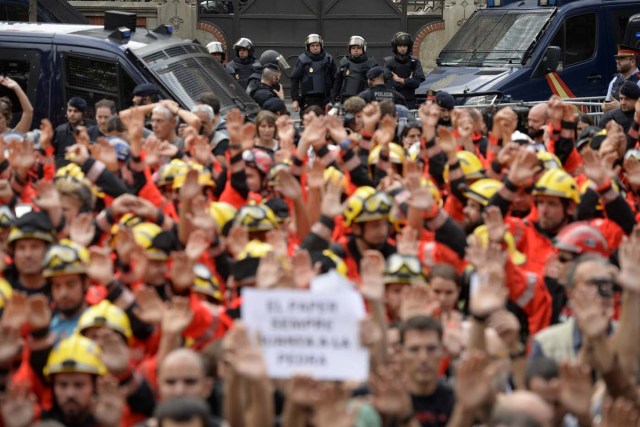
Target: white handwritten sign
(310,333)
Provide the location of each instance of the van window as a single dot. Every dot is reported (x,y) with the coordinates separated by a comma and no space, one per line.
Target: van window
(577,39)
(23,67)
(94,79)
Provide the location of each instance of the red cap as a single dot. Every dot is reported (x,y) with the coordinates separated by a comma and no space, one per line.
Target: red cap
(626,51)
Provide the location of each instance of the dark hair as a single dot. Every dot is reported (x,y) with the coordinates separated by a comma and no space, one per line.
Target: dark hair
(313,109)
(6,106)
(422,324)
(445,271)
(542,367)
(210,99)
(586,257)
(183,409)
(585,118)
(106,103)
(115,124)
(387,108)
(410,125)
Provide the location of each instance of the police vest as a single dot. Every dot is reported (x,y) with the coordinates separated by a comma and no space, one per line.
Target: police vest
(617,84)
(242,72)
(315,75)
(402,69)
(354,76)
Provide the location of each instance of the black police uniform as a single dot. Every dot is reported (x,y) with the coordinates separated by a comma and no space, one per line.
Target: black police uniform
(242,68)
(262,93)
(409,68)
(351,77)
(312,79)
(382,93)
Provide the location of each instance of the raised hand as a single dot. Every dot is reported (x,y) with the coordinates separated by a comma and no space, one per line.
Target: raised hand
(109,402)
(100,268)
(150,307)
(234,120)
(237,240)
(507,153)
(176,316)
(82,229)
(16,311)
(106,153)
(139,261)
(304,391)
(418,300)
(271,273)
(629,256)
(22,157)
(372,275)
(182,275)
(331,205)
(389,396)
(447,142)
(422,199)
(303,271)
(314,134)
(525,166)
(491,294)
(593,167)
(473,386)
(196,245)
(496,227)
(288,185)
(332,410)
(39,312)
(429,114)
(407,241)
(315,175)
(371,116)
(115,352)
(78,153)
(285,126)
(10,344)
(18,406)
(576,388)
(167,149)
(632,171)
(191,188)
(336,129)
(247,361)
(47,133)
(619,413)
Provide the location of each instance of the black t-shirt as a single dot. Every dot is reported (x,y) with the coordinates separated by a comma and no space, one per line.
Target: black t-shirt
(434,410)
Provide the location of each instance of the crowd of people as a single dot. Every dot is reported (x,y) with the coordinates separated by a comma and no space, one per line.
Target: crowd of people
(500,266)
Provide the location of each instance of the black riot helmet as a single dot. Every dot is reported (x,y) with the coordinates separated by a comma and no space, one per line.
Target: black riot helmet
(243,43)
(402,39)
(274,57)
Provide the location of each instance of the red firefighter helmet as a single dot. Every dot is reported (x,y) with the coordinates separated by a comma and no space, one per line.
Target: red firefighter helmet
(580,238)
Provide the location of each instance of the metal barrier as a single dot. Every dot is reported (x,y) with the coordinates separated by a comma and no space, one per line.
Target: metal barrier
(591,106)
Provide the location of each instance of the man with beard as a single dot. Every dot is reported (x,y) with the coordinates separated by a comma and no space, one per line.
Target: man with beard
(402,70)
(243,63)
(269,86)
(536,122)
(312,77)
(64,268)
(627,68)
(65,133)
(623,115)
(351,78)
(445,103)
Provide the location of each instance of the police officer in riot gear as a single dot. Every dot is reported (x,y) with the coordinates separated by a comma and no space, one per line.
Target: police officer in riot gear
(217,51)
(402,70)
(269,85)
(313,75)
(378,91)
(351,78)
(244,63)
(267,57)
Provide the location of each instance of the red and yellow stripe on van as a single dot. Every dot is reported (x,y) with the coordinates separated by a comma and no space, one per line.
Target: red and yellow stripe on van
(560,88)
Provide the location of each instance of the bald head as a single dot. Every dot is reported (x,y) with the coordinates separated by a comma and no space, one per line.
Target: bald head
(183,373)
(521,409)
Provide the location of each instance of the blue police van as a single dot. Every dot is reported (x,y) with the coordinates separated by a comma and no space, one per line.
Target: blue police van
(54,62)
(530,49)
